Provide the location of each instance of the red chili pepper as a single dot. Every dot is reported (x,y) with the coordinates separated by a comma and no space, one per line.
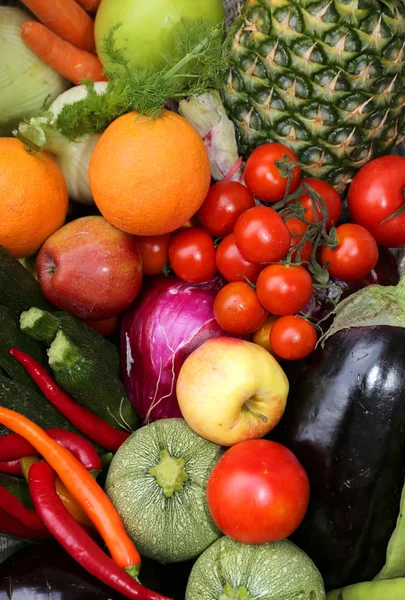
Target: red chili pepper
(16,509)
(12,526)
(96,429)
(75,540)
(11,467)
(13,447)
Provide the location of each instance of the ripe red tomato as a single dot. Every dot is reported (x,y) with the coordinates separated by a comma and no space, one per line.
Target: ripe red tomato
(237,309)
(297,229)
(258,492)
(292,337)
(354,257)
(284,289)
(376,193)
(192,255)
(154,251)
(261,235)
(232,265)
(333,202)
(262,175)
(225,202)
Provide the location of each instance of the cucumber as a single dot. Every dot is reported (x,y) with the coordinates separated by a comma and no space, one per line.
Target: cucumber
(89,381)
(12,337)
(30,404)
(42,325)
(19,290)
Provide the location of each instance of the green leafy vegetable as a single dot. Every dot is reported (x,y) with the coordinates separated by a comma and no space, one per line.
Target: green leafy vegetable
(200,68)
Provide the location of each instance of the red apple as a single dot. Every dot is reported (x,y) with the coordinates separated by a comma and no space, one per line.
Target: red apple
(90,269)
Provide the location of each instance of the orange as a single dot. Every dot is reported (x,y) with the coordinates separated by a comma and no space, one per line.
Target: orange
(33,198)
(149,177)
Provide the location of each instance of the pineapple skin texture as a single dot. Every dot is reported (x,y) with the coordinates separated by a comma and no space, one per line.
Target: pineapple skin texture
(324,77)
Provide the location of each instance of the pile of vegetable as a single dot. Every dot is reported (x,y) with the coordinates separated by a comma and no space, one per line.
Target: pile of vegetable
(202,316)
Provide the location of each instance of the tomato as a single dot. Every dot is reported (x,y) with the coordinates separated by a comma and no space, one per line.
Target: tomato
(333,202)
(232,265)
(355,256)
(293,338)
(154,250)
(237,309)
(261,337)
(261,235)
(225,202)
(192,255)
(262,175)
(377,192)
(284,289)
(258,492)
(297,228)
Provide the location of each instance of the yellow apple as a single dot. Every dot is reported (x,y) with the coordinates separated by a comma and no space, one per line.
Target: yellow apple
(230,390)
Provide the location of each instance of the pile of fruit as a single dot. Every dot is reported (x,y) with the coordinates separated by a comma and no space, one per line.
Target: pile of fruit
(202,316)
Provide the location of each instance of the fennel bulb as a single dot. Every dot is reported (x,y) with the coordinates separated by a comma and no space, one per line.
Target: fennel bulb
(26,83)
(73,157)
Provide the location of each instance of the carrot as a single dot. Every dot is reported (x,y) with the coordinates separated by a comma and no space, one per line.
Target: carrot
(67,19)
(90,5)
(82,486)
(64,58)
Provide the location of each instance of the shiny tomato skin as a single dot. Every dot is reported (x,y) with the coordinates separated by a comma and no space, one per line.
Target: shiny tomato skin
(154,250)
(333,202)
(192,255)
(284,289)
(296,227)
(258,492)
(261,235)
(263,177)
(225,202)
(293,338)
(231,263)
(355,256)
(377,192)
(237,309)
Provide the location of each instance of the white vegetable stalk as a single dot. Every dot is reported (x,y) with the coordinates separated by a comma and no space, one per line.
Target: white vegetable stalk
(72,157)
(207,114)
(26,83)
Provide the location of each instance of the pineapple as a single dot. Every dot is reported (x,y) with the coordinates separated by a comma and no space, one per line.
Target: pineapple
(325,77)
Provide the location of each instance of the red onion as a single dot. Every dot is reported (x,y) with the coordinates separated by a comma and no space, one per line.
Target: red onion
(166,323)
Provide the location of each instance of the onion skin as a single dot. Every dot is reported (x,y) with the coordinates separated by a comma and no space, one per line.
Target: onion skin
(166,323)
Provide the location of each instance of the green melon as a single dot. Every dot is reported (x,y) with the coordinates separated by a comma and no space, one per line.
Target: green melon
(157,481)
(229,570)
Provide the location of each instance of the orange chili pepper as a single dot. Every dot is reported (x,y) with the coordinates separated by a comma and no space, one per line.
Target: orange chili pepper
(69,502)
(83,488)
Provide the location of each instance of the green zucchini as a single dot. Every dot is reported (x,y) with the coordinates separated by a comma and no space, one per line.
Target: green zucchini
(11,336)
(43,326)
(89,381)
(19,290)
(30,404)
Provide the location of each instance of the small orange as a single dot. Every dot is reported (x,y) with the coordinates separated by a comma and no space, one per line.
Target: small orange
(149,176)
(33,198)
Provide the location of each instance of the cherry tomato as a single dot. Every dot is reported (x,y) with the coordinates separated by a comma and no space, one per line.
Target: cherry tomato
(297,229)
(261,235)
(192,255)
(355,256)
(377,192)
(225,202)
(258,492)
(262,175)
(284,289)
(237,309)
(292,337)
(154,250)
(232,265)
(261,337)
(333,202)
